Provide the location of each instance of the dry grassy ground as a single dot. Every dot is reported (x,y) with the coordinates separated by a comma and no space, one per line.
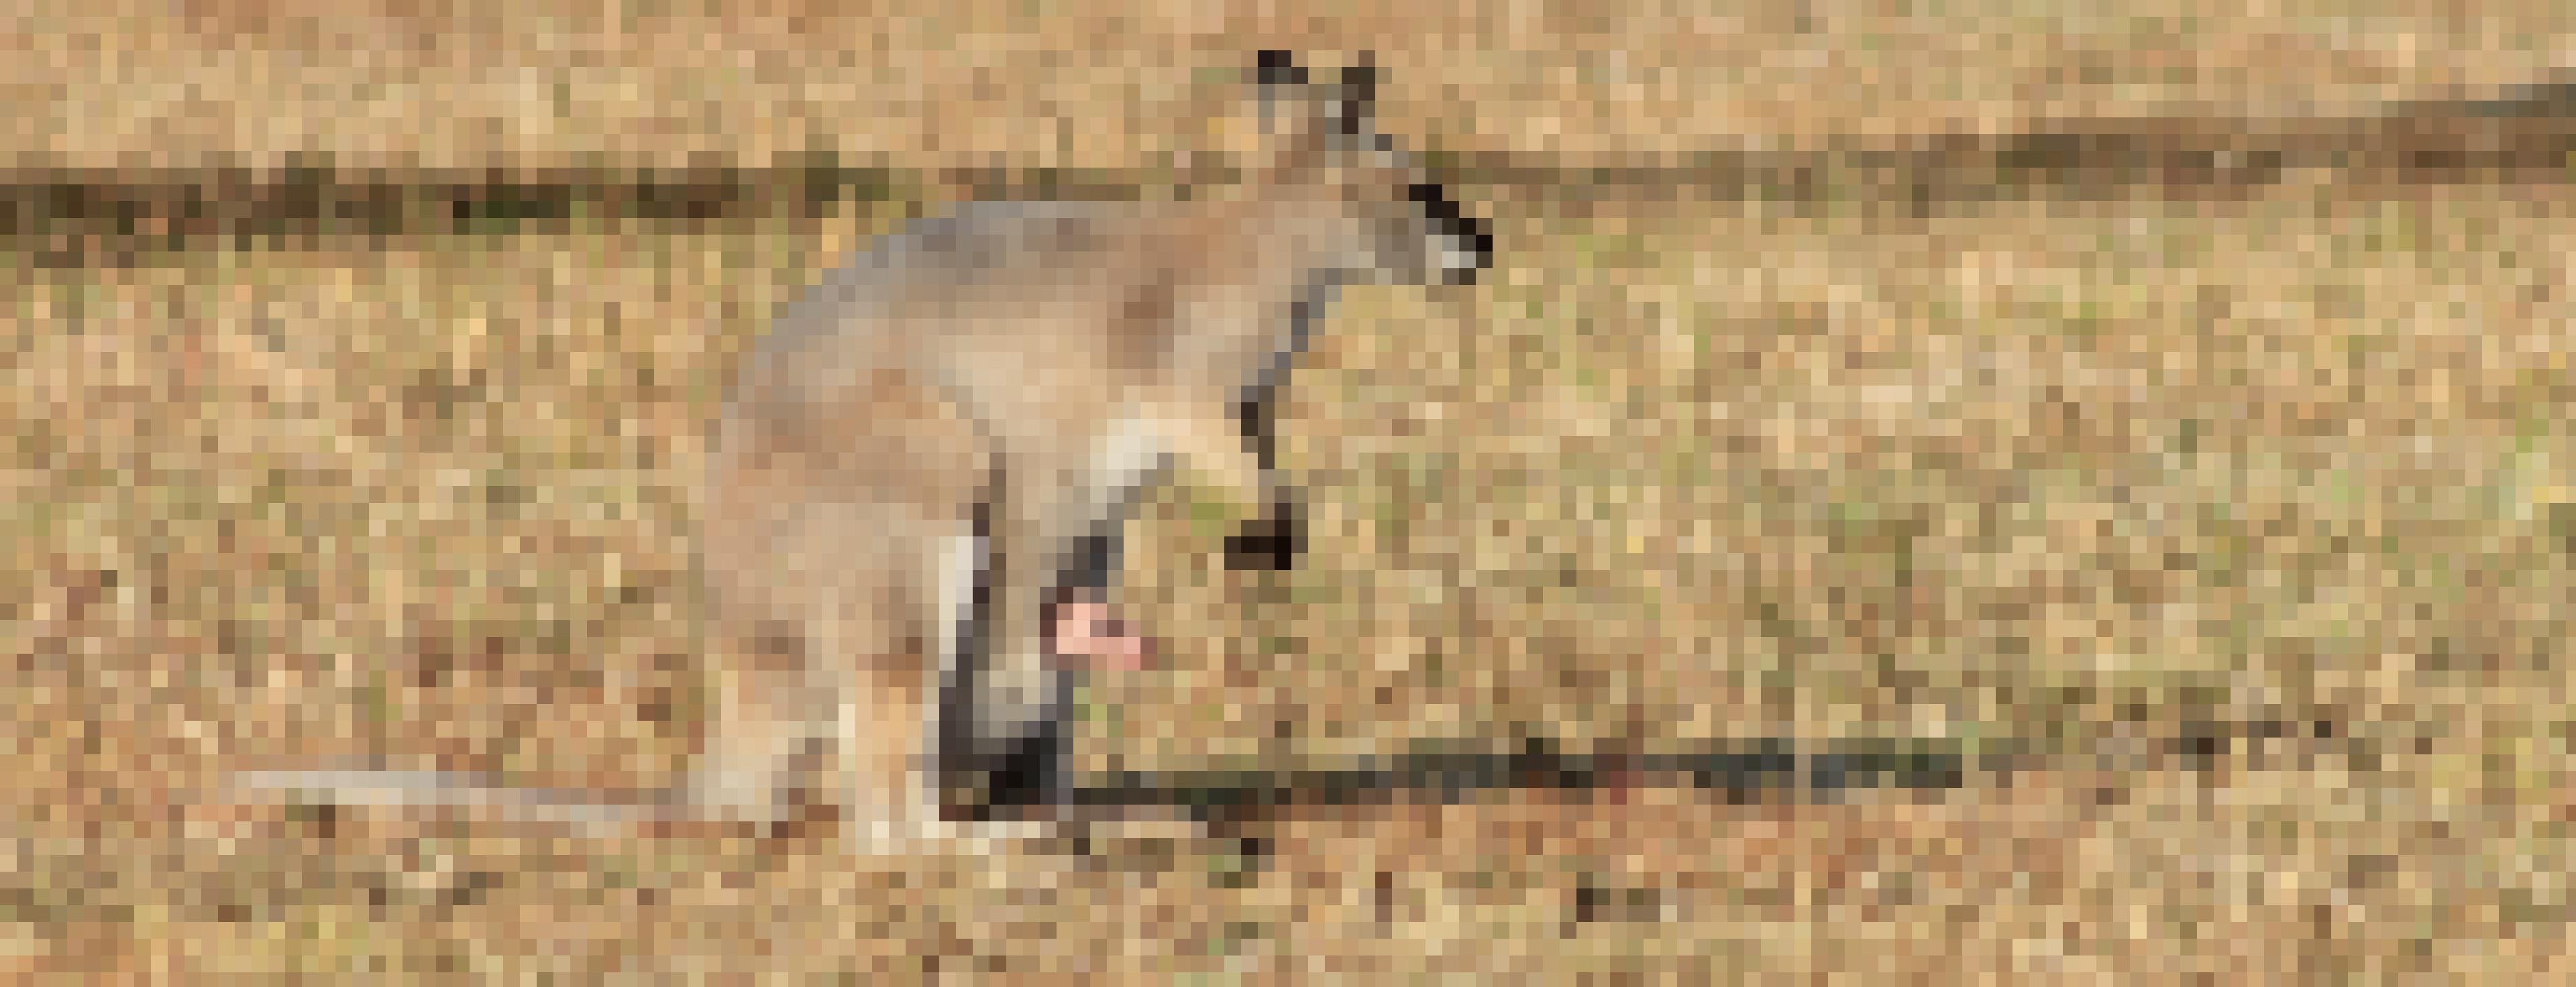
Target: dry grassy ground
(2074,476)
(2252,517)
(399,85)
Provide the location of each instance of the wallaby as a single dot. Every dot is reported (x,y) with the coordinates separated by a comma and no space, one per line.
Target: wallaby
(917,483)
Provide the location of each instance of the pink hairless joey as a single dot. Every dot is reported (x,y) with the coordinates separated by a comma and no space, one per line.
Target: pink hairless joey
(1089,635)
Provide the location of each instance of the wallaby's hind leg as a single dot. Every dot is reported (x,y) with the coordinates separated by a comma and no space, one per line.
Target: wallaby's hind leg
(1052,558)
(769,725)
(829,515)
(828,631)
(1035,542)
(776,695)
(884,719)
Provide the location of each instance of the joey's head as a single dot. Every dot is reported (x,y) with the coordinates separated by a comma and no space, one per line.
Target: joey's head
(1311,148)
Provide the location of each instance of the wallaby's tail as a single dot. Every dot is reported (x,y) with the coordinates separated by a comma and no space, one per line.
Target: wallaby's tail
(456,790)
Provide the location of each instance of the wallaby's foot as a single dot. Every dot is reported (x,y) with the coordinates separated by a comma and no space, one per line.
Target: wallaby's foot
(919,836)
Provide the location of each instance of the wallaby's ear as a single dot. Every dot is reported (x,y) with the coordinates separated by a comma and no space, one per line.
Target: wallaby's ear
(1355,102)
(1283,103)
(1301,105)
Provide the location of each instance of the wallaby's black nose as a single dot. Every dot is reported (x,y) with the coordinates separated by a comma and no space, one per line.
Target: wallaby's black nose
(1468,244)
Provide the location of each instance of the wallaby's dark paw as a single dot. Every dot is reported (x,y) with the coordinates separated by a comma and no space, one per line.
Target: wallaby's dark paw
(1268,544)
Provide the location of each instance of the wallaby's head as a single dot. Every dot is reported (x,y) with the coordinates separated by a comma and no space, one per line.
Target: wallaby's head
(1313,146)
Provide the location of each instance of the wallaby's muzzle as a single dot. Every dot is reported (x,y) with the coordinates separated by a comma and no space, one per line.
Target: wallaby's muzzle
(1462,244)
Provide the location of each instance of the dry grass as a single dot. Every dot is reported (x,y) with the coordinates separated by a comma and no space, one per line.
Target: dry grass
(2291,474)
(541,83)
(2074,475)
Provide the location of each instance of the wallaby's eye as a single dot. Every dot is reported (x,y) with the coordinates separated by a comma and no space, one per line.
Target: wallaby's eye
(1278,68)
